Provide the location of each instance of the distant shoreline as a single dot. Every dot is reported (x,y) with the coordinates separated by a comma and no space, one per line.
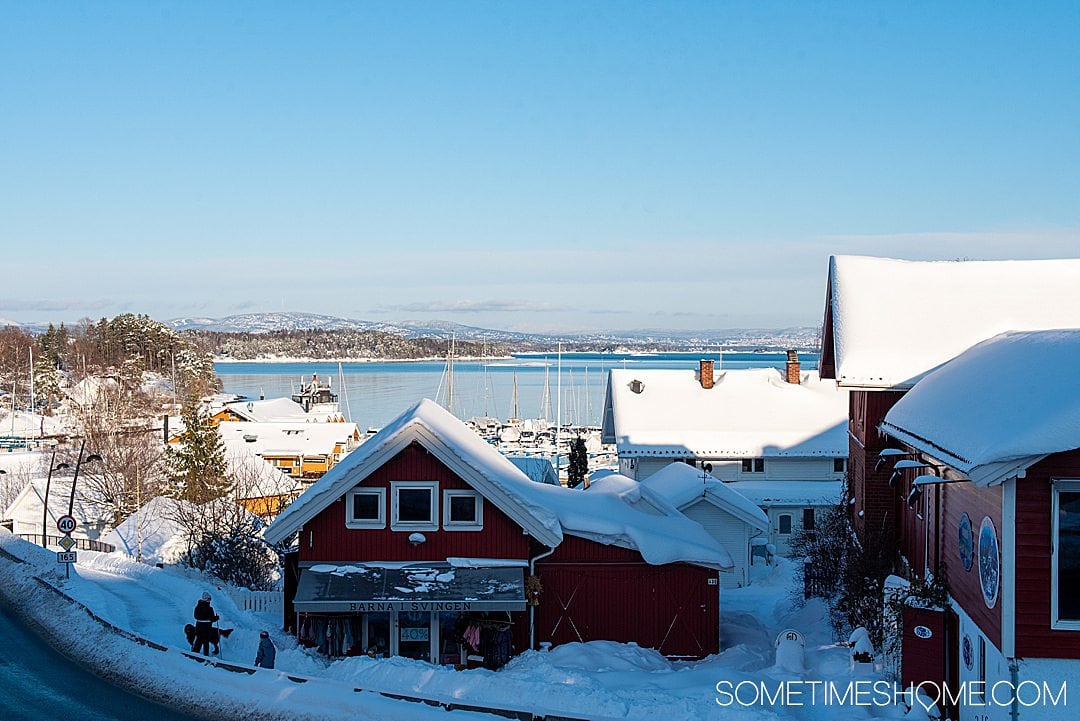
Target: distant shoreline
(224,360)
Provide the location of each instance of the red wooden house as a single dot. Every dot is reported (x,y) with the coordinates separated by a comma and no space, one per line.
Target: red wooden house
(991,453)
(426,538)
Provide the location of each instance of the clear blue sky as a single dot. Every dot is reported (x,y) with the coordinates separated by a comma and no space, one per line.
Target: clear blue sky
(588,165)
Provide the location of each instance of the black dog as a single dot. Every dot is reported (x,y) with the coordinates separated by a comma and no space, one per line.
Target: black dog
(216,634)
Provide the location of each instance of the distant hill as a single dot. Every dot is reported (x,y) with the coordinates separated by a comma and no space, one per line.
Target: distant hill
(803,338)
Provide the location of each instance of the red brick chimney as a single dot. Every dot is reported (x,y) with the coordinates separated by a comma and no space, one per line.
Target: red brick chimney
(792,367)
(706,374)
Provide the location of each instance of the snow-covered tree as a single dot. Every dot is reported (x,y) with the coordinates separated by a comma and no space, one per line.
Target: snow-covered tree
(196,467)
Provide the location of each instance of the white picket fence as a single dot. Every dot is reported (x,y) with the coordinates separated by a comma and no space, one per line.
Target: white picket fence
(258,601)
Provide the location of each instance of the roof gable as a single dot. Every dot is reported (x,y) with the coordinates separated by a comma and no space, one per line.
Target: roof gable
(452,443)
(891,321)
(683,485)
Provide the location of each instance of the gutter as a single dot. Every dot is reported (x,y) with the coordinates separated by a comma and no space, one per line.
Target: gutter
(532,609)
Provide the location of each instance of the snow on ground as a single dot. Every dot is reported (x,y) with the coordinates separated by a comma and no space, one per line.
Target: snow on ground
(592,680)
(169,677)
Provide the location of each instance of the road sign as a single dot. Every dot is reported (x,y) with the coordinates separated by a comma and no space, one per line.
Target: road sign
(66,524)
(66,543)
(66,556)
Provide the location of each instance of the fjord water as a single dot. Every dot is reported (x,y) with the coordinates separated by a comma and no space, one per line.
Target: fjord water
(378,391)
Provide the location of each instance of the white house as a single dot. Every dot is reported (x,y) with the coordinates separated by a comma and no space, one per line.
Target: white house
(729,517)
(762,424)
(27,512)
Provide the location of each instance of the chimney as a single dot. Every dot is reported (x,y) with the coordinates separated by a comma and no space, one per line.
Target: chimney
(792,367)
(706,374)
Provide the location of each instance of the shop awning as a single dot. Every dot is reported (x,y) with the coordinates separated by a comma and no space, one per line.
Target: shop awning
(333,589)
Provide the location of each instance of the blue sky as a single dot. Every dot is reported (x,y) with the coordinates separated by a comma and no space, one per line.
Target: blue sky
(537,166)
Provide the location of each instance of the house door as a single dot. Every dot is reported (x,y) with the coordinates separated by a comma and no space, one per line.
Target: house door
(952,661)
(414,634)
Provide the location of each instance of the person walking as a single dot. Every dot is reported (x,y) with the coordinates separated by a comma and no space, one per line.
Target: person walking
(204,622)
(267,652)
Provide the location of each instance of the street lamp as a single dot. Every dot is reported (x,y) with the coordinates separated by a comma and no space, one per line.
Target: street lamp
(53,466)
(75,479)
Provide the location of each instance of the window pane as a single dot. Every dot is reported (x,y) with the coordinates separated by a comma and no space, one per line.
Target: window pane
(1068,554)
(414,504)
(838,465)
(808,519)
(784,523)
(365,507)
(463,509)
(759,465)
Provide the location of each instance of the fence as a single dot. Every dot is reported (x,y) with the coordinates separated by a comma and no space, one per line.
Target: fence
(81,544)
(258,601)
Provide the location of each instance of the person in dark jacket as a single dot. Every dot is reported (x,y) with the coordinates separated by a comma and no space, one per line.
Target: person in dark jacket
(204,622)
(267,652)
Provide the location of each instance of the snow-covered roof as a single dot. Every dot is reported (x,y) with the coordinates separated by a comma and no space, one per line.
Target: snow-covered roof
(29,505)
(254,477)
(747,413)
(888,321)
(1014,397)
(619,511)
(682,485)
(277,410)
(537,468)
(544,511)
(789,493)
(30,425)
(310,439)
(150,530)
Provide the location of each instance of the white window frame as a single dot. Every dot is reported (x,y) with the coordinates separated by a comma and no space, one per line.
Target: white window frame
(791,523)
(753,462)
(477,525)
(430,525)
(1057,487)
(379,522)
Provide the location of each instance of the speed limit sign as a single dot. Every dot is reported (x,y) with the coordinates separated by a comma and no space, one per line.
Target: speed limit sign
(66,524)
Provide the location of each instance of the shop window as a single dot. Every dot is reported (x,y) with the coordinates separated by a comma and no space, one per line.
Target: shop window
(1065,576)
(414,506)
(783,524)
(463,511)
(753,465)
(366,508)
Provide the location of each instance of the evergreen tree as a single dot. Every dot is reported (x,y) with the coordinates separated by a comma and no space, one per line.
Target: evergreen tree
(196,467)
(579,463)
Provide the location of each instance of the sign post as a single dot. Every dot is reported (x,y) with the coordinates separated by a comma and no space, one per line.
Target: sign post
(66,524)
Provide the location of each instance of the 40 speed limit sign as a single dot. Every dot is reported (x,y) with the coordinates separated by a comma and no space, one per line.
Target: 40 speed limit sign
(66,524)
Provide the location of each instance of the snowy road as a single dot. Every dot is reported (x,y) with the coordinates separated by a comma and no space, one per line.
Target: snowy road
(39,684)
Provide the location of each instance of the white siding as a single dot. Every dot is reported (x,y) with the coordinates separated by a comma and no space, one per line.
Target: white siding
(731,533)
(648,466)
(797,469)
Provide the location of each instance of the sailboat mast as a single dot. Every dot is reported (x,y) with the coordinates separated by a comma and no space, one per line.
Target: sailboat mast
(515,403)
(558,385)
(31,380)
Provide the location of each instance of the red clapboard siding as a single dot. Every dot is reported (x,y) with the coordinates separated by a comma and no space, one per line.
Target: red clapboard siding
(958,498)
(876,502)
(1034,525)
(670,608)
(325,537)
